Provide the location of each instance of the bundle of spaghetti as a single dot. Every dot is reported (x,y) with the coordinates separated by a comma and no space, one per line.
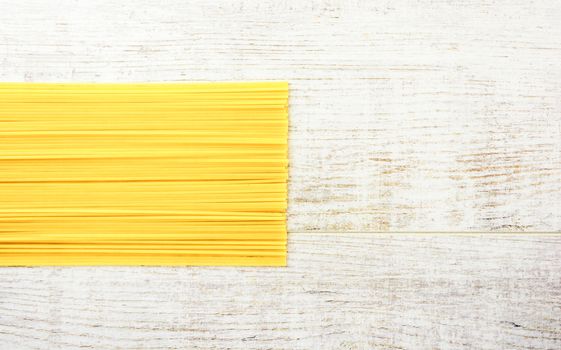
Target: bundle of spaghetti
(143,174)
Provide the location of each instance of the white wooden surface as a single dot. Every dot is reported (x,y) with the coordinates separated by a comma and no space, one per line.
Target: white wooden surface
(405,116)
(350,291)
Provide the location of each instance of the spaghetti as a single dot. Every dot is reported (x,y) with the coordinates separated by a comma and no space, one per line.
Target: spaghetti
(143,174)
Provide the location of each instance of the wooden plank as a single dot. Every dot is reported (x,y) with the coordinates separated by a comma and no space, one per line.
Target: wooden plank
(340,291)
(409,115)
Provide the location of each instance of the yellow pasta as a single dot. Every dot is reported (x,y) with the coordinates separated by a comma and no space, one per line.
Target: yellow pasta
(143,174)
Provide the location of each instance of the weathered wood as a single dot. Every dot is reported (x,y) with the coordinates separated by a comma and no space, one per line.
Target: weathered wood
(405,116)
(408,115)
(354,291)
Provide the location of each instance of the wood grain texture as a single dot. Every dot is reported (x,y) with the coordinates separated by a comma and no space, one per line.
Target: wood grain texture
(406,115)
(354,291)
(409,115)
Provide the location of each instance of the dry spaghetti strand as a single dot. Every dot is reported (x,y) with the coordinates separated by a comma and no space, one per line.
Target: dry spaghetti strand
(143,174)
